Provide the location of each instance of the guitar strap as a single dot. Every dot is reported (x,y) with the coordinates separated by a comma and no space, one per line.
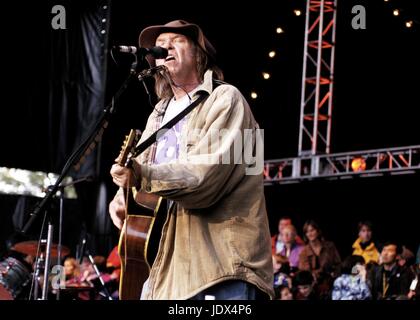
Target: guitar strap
(152,139)
(147,143)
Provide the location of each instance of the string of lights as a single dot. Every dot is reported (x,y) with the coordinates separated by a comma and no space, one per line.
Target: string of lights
(405,17)
(272,54)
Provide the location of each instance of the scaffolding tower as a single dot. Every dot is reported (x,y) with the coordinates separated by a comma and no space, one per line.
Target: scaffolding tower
(315,159)
(317,78)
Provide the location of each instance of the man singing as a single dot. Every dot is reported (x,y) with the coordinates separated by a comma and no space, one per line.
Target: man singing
(216,239)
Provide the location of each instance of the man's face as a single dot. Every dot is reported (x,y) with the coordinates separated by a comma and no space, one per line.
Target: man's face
(305,290)
(365,234)
(283,223)
(181,60)
(287,235)
(389,254)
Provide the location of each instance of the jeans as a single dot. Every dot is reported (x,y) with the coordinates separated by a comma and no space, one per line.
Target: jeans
(229,290)
(226,290)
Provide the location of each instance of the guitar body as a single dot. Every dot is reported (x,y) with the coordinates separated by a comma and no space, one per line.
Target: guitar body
(140,235)
(139,242)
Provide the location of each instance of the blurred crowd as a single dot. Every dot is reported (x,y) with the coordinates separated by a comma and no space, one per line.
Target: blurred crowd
(92,280)
(312,268)
(305,268)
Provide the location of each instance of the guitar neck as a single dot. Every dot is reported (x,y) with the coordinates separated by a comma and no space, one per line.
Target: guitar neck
(124,158)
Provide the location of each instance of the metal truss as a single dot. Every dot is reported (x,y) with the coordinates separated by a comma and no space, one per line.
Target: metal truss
(368,163)
(317,78)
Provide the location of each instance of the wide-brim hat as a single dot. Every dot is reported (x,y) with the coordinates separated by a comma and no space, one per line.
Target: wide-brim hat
(148,36)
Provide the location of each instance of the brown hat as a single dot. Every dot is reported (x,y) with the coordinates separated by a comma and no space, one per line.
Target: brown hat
(148,36)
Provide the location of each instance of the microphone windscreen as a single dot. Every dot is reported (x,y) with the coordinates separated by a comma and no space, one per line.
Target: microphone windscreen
(158,52)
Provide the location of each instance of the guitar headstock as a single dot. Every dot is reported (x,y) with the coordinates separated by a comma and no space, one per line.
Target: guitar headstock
(128,146)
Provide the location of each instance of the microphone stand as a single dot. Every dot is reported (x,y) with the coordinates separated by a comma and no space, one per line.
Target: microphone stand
(60,223)
(95,268)
(75,159)
(101,280)
(45,263)
(86,146)
(90,141)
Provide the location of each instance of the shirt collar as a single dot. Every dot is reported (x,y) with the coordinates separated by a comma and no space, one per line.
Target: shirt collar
(207,84)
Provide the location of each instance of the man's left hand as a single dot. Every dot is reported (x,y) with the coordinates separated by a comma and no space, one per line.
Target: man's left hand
(123,176)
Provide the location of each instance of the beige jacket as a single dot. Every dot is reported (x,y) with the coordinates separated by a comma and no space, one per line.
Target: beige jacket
(217,228)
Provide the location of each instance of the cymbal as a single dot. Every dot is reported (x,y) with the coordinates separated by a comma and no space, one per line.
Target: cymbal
(30,248)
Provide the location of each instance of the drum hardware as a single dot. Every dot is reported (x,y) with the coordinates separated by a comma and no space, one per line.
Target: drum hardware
(14,277)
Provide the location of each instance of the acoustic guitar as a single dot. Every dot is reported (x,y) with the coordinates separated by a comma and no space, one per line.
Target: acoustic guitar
(140,234)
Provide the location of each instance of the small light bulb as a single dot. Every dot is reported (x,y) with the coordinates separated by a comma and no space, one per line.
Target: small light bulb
(279,30)
(409,24)
(396,12)
(266,75)
(272,54)
(297,12)
(254,95)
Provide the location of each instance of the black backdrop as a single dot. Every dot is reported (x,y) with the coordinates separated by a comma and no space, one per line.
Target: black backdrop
(55,81)
(51,95)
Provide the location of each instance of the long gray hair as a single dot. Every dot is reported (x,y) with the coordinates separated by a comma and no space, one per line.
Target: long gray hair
(163,80)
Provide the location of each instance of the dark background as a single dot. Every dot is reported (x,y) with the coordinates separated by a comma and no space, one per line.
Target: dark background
(376,103)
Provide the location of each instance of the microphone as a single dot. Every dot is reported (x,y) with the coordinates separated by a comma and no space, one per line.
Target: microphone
(156,52)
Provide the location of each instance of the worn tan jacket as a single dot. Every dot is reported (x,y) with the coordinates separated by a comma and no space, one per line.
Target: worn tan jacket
(217,228)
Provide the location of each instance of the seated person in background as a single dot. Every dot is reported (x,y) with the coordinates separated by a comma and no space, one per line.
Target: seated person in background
(112,276)
(90,278)
(72,271)
(418,255)
(352,284)
(364,246)
(74,283)
(277,244)
(283,293)
(318,255)
(414,293)
(291,249)
(304,284)
(389,280)
(88,273)
(321,258)
(281,271)
(109,270)
(406,257)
